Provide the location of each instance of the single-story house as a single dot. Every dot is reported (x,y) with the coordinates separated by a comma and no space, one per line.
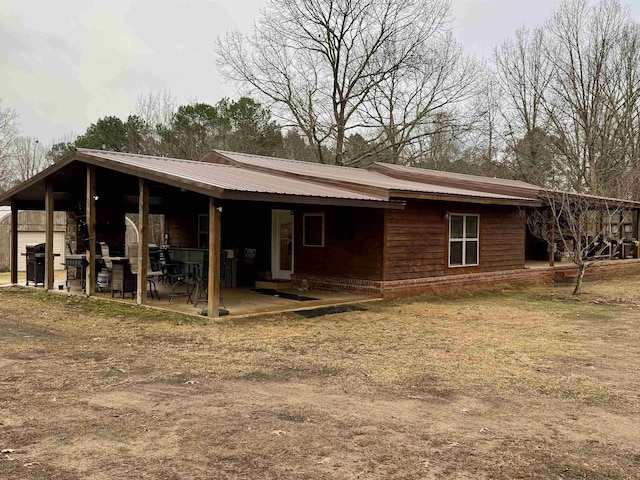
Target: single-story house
(385,230)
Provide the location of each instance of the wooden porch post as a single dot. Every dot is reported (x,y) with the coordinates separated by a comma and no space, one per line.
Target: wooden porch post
(48,243)
(143,241)
(213,290)
(552,244)
(90,285)
(13,252)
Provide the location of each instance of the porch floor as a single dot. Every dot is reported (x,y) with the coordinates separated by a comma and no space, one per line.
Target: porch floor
(238,301)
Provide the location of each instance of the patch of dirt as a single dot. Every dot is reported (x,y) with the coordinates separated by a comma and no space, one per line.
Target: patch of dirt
(528,384)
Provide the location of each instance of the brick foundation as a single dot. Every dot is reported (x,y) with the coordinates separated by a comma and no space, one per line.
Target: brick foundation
(468,283)
(337,284)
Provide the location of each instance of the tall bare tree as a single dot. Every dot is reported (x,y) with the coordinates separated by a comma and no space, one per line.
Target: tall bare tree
(413,101)
(592,50)
(524,73)
(9,130)
(325,64)
(572,90)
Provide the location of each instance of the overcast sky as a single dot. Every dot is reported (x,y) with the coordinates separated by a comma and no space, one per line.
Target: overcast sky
(65,64)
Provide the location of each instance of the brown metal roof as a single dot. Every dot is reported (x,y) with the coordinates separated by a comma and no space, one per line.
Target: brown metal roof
(215,180)
(473,182)
(229,175)
(226,177)
(357,177)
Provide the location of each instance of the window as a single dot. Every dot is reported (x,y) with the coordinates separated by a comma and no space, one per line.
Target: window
(463,240)
(313,229)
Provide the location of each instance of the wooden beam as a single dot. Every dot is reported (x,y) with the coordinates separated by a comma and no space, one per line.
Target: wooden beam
(48,242)
(90,286)
(13,260)
(213,289)
(143,241)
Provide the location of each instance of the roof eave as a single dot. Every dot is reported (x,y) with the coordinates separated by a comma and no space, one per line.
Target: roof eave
(5,198)
(313,200)
(521,202)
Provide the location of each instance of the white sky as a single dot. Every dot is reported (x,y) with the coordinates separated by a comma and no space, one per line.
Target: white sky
(65,64)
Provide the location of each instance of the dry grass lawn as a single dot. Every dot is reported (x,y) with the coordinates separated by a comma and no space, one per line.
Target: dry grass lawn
(528,383)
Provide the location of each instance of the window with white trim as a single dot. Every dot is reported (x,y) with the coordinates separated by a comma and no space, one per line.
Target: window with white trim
(313,230)
(463,240)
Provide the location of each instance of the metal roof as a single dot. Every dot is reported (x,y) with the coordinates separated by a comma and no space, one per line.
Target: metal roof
(227,177)
(474,182)
(350,177)
(239,176)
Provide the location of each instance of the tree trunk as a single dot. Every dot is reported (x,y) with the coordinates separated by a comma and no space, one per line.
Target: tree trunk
(581,269)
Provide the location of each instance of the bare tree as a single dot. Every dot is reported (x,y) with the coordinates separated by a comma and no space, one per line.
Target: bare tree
(9,130)
(156,108)
(573,96)
(587,228)
(524,73)
(324,63)
(411,102)
(28,157)
(588,48)
(156,111)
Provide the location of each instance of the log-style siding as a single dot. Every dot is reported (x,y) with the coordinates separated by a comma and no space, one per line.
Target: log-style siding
(353,244)
(417,240)
(367,244)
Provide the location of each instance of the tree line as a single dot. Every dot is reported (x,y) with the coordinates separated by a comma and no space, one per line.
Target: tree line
(558,105)
(348,82)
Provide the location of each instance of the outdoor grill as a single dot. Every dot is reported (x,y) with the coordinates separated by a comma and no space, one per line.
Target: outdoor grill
(76,262)
(35,263)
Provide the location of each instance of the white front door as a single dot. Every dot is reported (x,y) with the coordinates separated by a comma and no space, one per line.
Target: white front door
(282,244)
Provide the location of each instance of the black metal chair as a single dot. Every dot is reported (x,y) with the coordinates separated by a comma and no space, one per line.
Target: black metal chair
(201,280)
(178,275)
(201,289)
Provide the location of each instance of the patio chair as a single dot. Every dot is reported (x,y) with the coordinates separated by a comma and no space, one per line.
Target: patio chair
(178,275)
(202,285)
(201,280)
(152,275)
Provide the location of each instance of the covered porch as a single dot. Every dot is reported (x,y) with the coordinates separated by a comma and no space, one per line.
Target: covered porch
(231,239)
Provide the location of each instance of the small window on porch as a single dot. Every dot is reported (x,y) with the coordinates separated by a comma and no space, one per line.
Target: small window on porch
(313,230)
(463,240)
